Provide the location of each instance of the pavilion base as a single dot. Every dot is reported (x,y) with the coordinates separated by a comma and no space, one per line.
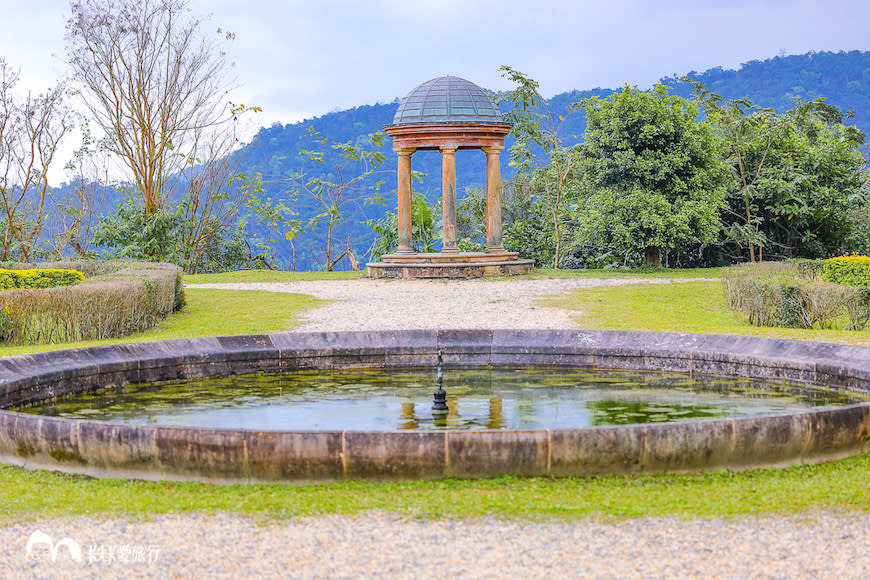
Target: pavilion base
(450,265)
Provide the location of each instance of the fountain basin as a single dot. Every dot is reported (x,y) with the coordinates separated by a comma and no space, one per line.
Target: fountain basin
(239,455)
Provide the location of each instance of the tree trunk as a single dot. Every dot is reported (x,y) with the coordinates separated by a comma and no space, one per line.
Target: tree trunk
(652,256)
(558,232)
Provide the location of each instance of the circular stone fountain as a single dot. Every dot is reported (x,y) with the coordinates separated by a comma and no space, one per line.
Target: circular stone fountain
(159,452)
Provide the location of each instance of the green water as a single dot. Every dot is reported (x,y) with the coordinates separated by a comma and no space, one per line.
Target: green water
(498,398)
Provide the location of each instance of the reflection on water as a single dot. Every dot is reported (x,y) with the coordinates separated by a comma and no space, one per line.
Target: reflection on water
(477,399)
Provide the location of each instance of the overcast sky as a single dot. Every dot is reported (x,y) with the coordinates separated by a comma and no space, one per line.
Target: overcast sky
(298,59)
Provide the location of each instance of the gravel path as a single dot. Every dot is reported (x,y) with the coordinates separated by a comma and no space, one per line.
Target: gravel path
(397,304)
(384,546)
(820,545)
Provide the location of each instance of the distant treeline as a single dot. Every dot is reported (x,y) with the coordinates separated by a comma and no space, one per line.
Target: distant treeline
(843,78)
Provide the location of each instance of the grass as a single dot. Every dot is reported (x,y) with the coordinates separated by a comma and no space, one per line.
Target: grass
(697,307)
(685,307)
(837,485)
(209,313)
(243,276)
(665,273)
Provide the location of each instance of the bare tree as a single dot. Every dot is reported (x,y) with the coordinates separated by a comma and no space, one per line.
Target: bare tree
(347,167)
(78,212)
(153,81)
(214,194)
(29,137)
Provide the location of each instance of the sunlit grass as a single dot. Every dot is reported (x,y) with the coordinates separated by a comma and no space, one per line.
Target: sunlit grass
(697,307)
(210,313)
(683,307)
(243,276)
(549,273)
(839,485)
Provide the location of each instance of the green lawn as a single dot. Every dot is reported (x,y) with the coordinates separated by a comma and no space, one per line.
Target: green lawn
(269,276)
(685,307)
(210,313)
(536,274)
(681,307)
(838,485)
(545,273)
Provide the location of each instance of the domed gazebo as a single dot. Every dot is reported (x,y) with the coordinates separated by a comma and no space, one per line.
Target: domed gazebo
(448,114)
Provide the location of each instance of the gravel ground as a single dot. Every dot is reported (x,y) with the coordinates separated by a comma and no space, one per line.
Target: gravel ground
(398,304)
(819,545)
(384,546)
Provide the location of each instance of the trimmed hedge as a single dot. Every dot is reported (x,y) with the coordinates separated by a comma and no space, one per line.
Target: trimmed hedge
(39,278)
(90,268)
(792,295)
(849,270)
(125,298)
(808,268)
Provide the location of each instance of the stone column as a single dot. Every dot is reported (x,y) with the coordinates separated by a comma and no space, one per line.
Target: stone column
(494,241)
(448,189)
(405,213)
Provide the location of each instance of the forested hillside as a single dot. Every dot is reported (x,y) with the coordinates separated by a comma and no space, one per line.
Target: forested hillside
(277,153)
(842,78)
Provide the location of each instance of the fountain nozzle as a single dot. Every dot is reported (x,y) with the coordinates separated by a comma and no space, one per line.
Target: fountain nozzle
(439,397)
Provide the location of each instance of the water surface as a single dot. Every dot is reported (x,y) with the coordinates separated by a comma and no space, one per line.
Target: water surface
(478,398)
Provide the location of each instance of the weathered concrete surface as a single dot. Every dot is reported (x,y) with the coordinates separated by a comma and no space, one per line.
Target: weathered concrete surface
(155,452)
(450,265)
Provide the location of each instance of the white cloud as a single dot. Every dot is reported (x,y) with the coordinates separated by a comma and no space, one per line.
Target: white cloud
(304,57)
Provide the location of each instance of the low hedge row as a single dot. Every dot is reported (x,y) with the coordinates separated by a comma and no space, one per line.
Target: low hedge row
(849,270)
(39,278)
(124,298)
(785,294)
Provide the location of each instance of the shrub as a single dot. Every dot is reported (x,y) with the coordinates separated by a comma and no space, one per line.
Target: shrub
(808,268)
(737,281)
(858,308)
(199,247)
(89,268)
(849,270)
(132,298)
(789,295)
(824,302)
(39,278)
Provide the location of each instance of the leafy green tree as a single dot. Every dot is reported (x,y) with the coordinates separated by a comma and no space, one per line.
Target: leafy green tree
(810,188)
(796,177)
(536,129)
(425,226)
(744,126)
(130,232)
(653,172)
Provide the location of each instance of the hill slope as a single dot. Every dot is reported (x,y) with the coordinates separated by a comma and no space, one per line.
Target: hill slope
(843,78)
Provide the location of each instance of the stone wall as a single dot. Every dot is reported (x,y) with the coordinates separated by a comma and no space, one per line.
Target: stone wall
(155,452)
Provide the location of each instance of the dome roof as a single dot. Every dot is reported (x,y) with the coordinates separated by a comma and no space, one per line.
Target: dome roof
(447,100)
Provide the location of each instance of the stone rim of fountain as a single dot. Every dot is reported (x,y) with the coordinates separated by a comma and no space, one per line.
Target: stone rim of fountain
(220,455)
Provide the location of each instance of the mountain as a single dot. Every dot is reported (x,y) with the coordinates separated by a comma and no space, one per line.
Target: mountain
(843,78)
